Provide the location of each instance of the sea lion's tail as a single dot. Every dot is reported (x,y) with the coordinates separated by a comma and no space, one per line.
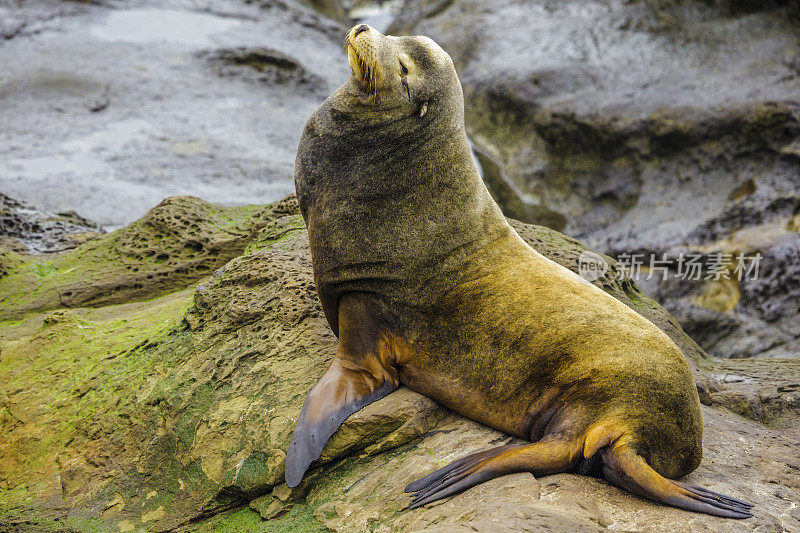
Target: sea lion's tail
(627,469)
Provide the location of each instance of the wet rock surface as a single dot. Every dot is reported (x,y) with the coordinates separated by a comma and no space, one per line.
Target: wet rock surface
(174,413)
(25,228)
(764,390)
(108,108)
(265,66)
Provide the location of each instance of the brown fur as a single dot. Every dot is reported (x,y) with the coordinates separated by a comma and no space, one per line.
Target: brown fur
(428,286)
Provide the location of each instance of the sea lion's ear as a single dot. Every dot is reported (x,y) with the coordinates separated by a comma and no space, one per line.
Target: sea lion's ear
(423,109)
(339,393)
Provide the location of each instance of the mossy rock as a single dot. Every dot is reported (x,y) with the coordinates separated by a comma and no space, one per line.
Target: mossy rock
(176,243)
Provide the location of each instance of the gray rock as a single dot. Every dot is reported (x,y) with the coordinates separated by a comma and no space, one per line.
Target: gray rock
(775,294)
(25,228)
(107,109)
(263,65)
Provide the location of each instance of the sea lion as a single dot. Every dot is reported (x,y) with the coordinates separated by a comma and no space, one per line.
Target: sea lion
(426,285)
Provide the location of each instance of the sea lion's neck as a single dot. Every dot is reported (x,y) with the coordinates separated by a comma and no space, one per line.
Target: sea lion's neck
(390,202)
(372,155)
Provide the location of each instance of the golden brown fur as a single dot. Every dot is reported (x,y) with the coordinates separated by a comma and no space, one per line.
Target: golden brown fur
(427,285)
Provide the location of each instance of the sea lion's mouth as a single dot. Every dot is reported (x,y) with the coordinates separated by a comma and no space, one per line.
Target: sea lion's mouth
(362,56)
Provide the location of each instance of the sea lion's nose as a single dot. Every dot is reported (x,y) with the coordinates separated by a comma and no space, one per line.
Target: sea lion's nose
(362,28)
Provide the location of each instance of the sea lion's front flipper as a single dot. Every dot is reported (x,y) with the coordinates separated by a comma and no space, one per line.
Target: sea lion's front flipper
(627,469)
(361,373)
(340,392)
(544,457)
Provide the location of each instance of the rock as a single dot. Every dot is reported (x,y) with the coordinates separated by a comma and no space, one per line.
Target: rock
(750,315)
(25,228)
(175,412)
(775,293)
(175,244)
(764,390)
(370,495)
(514,203)
(332,9)
(704,325)
(17,20)
(415,11)
(123,113)
(263,65)
(327,16)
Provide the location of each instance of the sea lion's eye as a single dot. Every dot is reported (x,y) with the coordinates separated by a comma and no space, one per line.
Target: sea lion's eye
(403,68)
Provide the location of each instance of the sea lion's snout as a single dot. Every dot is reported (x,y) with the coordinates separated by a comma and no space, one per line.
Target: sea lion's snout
(362,44)
(355,31)
(367,35)
(399,76)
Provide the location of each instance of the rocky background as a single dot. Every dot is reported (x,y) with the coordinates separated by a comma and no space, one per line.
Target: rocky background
(153,360)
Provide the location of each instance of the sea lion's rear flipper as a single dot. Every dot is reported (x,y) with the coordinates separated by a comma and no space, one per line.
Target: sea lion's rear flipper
(541,458)
(339,393)
(627,469)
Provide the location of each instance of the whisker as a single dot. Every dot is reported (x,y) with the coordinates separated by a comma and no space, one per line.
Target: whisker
(368,73)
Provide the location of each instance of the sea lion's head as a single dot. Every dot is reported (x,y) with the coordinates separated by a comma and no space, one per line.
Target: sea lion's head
(398,122)
(398,77)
